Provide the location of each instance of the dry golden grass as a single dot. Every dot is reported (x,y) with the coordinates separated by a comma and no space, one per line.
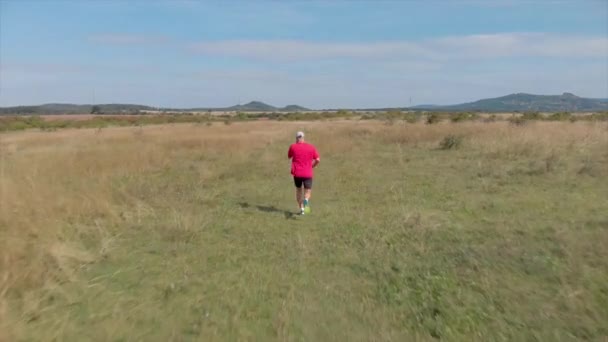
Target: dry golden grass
(58,188)
(66,196)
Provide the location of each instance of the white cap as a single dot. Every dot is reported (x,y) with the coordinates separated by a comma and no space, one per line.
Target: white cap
(300,134)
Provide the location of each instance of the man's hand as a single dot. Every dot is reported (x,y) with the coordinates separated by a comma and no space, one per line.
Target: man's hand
(315,163)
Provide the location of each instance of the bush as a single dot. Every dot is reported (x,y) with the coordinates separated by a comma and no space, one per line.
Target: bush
(464,116)
(17,126)
(491,118)
(242,116)
(342,113)
(532,116)
(562,116)
(393,114)
(451,142)
(433,118)
(518,120)
(599,116)
(412,117)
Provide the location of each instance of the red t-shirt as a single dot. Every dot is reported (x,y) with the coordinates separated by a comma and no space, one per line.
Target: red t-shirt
(302,155)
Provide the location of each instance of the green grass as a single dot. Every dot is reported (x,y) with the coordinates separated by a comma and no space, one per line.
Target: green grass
(406,241)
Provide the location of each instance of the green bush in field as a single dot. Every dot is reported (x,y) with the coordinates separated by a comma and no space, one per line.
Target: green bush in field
(17,126)
(561,116)
(242,116)
(464,116)
(34,121)
(599,116)
(532,116)
(451,142)
(393,114)
(96,110)
(412,117)
(61,124)
(491,118)
(518,120)
(18,123)
(342,113)
(314,116)
(433,118)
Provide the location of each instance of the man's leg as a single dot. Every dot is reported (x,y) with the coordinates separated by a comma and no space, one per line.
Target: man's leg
(307,194)
(298,183)
(299,197)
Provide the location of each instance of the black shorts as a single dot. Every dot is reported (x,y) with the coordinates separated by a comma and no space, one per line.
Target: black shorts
(298,181)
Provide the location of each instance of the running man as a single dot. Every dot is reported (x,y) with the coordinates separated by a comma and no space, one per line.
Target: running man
(304,158)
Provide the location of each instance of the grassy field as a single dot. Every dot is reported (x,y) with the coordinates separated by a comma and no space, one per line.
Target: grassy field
(187,232)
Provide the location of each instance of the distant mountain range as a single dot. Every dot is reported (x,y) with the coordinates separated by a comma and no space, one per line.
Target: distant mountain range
(67,108)
(527,102)
(520,102)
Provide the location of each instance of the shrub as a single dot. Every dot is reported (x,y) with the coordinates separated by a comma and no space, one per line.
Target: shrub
(599,116)
(532,116)
(463,116)
(451,142)
(393,114)
(17,126)
(491,118)
(412,117)
(433,118)
(518,120)
(561,116)
(342,113)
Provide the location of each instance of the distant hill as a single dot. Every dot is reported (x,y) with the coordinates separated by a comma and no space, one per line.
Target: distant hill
(257,106)
(294,108)
(528,102)
(66,108)
(253,106)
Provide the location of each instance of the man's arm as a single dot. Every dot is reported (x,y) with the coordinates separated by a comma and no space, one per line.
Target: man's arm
(289,153)
(316,162)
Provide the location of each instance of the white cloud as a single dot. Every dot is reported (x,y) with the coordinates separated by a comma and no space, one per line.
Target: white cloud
(521,45)
(472,47)
(457,47)
(291,50)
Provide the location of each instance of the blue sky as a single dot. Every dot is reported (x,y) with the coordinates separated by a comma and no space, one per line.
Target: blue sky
(319,54)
